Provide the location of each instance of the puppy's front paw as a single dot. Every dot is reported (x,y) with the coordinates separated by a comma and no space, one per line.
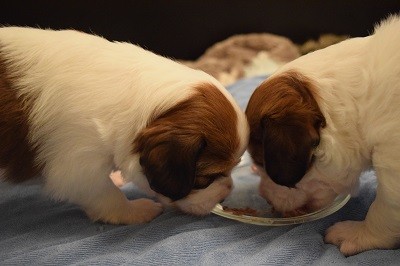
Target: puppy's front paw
(353,237)
(201,202)
(117,178)
(143,210)
(199,206)
(132,212)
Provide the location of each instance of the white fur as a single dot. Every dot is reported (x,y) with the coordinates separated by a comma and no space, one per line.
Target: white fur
(201,201)
(93,95)
(358,84)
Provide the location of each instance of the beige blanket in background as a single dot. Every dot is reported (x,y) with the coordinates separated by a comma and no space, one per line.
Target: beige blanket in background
(249,55)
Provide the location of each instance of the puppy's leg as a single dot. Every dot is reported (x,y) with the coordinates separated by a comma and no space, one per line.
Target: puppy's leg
(202,201)
(117,178)
(381,227)
(86,182)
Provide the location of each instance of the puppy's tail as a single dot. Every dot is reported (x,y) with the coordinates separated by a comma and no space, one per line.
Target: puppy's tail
(391,21)
(384,45)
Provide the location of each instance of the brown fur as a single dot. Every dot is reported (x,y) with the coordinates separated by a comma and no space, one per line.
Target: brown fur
(191,144)
(17,156)
(284,123)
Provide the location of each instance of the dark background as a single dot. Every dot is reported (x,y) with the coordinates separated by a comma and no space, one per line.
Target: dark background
(184,29)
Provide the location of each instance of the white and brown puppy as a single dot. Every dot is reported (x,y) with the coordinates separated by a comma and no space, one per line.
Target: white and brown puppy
(74,106)
(321,120)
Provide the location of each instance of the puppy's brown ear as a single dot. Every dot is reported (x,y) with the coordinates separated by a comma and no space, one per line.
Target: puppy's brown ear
(285,122)
(168,156)
(287,151)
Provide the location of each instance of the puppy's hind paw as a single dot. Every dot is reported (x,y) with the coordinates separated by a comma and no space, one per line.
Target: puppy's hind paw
(353,237)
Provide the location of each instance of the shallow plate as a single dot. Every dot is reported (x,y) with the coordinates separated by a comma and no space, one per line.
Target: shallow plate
(245,195)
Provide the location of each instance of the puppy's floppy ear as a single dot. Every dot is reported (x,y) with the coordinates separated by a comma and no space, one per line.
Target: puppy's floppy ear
(287,150)
(168,156)
(285,122)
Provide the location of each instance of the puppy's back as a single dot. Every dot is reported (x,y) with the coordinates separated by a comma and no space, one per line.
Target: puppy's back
(67,90)
(384,47)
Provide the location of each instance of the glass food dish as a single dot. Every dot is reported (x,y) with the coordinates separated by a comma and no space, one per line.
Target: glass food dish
(244,204)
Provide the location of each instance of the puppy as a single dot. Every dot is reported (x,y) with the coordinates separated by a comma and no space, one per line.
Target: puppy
(74,106)
(320,121)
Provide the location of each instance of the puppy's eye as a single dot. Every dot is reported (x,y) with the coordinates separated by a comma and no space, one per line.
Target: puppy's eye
(315,143)
(312,160)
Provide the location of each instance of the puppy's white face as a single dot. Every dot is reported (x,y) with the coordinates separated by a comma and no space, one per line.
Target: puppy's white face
(187,154)
(310,194)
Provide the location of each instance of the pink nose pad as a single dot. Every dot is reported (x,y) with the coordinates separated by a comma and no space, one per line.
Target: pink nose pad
(254,169)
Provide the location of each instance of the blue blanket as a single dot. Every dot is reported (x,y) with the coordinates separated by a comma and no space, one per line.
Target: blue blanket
(36,231)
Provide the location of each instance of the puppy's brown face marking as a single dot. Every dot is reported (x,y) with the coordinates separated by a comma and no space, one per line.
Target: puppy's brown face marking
(191,145)
(17,156)
(284,123)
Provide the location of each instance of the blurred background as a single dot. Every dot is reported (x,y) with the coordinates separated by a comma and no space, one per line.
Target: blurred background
(186,29)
